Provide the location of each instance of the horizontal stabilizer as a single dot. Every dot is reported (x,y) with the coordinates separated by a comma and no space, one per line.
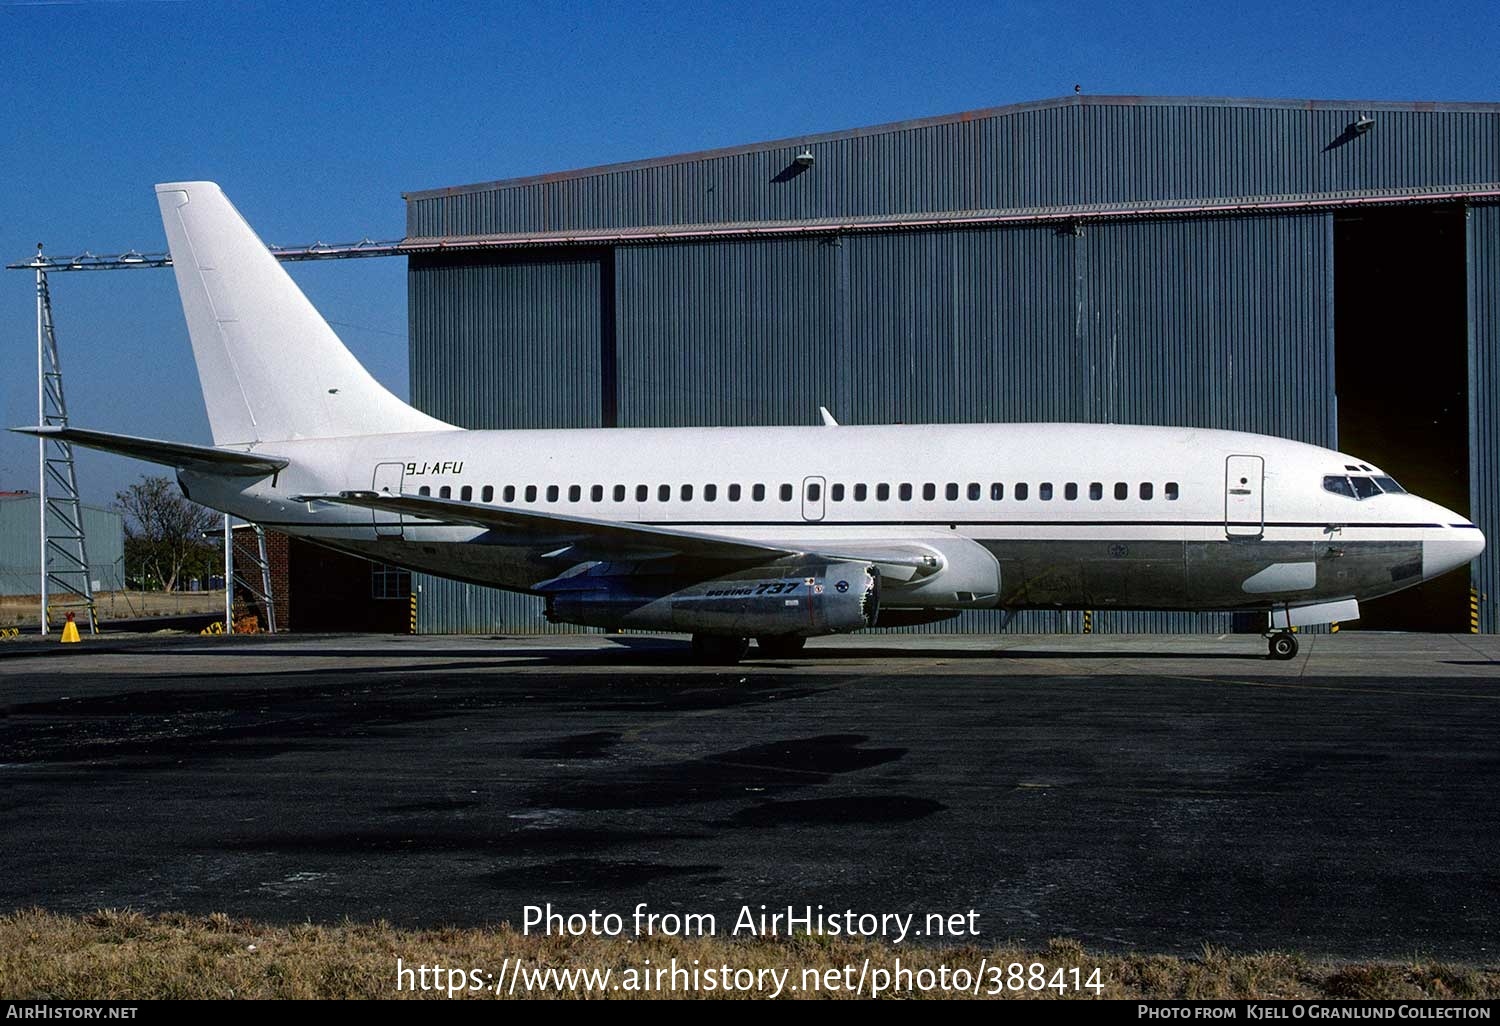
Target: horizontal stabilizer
(170,454)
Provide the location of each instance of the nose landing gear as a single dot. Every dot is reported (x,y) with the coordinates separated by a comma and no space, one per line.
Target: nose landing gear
(1282,645)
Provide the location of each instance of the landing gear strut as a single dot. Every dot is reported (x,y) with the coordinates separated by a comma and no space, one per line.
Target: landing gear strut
(715,648)
(1282,645)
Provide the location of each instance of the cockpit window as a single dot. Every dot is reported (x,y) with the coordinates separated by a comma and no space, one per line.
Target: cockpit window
(1338,486)
(1356,486)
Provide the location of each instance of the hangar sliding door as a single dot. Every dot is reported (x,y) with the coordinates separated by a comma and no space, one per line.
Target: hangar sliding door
(509,340)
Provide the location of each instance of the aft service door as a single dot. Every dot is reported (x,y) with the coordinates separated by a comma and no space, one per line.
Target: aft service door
(388,478)
(1244,498)
(813,498)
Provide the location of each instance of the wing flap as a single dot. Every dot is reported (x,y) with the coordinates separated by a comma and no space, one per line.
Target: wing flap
(180,455)
(568,532)
(581,538)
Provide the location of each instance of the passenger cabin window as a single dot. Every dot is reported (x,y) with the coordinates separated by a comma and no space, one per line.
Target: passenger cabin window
(531,493)
(951,491)
(734,493)
(997,492)
(687,493)
(929,491)
(883,492)
(642,493)
(425,490)
(575,492)
(663,493)
(814,492)
(1044,491)
(974,491)
(861,492)
(1021,492)
(488,495)
(710,493)
(552,493)
(619,493)
(836,493)
(466,493)
(758,493)
(1146,490)
(1172,491)
(1122,490)
(786,493)
(510,493)
(596,493)
(445,492)
(1070,491)
(905,493)
(1096,490)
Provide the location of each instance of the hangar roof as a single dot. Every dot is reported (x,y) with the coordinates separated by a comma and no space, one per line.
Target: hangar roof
(983,113)
(1082,153)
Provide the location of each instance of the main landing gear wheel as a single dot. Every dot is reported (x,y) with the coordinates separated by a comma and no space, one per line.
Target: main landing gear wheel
(715,648)
(1282,645)
(781,646)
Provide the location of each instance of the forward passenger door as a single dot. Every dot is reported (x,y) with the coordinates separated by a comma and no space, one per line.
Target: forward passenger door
(1244,496)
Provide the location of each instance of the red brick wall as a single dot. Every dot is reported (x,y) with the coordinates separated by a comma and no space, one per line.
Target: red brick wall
(245,556)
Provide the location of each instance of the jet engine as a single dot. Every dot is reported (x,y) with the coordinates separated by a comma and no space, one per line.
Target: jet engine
(801,600)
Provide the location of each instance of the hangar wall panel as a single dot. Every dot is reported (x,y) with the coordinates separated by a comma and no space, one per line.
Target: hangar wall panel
(503,344)
(1484,404)
(1075,150)
(104,534)
(509,343)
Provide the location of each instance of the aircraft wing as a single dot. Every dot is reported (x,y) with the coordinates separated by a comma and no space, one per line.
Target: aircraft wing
(582,538)
(170,454)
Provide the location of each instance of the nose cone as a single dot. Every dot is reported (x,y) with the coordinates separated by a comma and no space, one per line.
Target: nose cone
(1443,554)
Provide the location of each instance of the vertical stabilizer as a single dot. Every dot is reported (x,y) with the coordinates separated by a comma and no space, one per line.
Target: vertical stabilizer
(270,366)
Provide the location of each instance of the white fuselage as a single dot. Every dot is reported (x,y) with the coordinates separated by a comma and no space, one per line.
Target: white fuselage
(1021,515)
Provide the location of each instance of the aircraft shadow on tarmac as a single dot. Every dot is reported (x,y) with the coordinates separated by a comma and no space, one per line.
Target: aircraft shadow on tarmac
(634,651)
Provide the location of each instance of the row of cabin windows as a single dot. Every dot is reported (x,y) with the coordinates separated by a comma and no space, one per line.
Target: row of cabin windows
(974,492)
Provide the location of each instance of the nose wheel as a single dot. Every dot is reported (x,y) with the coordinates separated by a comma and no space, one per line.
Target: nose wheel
(1282,645)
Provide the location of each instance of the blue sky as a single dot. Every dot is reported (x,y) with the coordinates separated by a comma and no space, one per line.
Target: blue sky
(316,117)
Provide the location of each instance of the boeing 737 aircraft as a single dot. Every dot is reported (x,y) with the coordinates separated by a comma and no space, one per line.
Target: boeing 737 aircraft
(777,534)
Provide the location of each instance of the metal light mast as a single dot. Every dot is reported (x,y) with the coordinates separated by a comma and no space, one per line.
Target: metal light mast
(64,553)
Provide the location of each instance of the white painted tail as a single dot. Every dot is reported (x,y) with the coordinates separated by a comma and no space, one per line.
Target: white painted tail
(270,366)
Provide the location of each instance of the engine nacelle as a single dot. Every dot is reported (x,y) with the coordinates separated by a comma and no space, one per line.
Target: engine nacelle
(804,600)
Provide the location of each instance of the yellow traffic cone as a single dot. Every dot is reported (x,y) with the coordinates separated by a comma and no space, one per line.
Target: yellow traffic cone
(70,631)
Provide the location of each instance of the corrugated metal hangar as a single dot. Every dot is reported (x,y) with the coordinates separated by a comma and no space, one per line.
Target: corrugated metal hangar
(1325,271)
(20,555)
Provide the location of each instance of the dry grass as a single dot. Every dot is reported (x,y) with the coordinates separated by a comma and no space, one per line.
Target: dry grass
(112,954)
(21,610)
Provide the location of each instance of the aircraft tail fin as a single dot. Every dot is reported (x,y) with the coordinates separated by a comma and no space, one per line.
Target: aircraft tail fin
(270,366)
